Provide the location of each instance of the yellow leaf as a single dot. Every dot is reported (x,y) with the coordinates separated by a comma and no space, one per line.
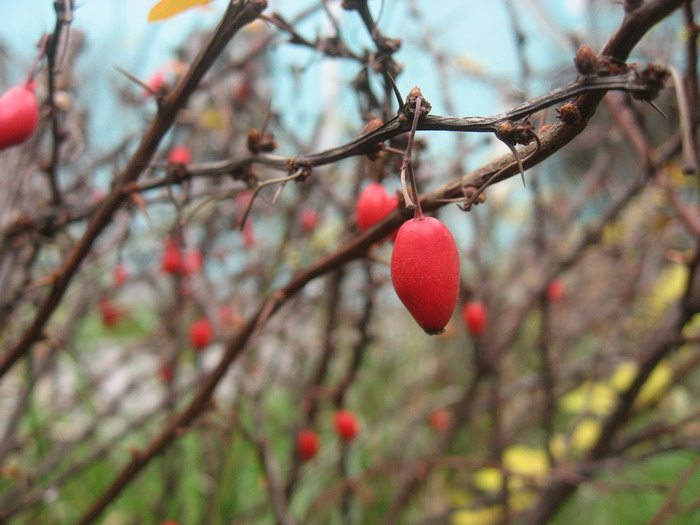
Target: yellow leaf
(167,8)
(591,397)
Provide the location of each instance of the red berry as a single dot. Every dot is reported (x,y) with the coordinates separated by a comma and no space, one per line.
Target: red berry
(555,291)
(19,114)
(192,262)
(308,219)
(170,522)
(307,444)
(166,374)
(111,315)
(425,272)
(157,83)
(120,274)
(474,317)
(249,239)
(180,155)
(440,419)
(201,333)
(172,258)
(346,425)
(373,204)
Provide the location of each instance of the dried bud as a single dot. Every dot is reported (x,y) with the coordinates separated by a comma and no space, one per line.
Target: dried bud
(410,106)
(258,142)
(373,124)
(655,77)
(302,168)
(569,114)
(585,61)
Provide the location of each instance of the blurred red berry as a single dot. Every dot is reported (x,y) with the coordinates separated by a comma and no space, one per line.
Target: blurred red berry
(201,333)
(172,258)
(555,291)
(111,315)
(120,274)
(373,204)
(475,317)
(166,374)
(180,155)
(440,419)
(249,239)
(346,425)
(192,262)
(307,444)
(157,84)
(308,219)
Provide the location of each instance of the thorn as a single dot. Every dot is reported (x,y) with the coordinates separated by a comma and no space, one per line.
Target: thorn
(397,93)
(657,108)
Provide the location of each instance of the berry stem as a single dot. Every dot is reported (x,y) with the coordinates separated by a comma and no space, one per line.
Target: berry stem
(407,167)
(42,52)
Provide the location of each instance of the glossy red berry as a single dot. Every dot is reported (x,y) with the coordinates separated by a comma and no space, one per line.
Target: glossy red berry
(19,114)
(474,316)
(425,272)
(308,219)
(201,333)
(440,419)
(555,291)
(373,204)
(171,261)
(111,315)
(346,425)
(180,155)
(308,444)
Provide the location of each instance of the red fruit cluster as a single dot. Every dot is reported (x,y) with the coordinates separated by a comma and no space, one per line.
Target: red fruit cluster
(19,114)
(175,262)
(180,155)
(475,317)
(308,444)
(425,272)
(110,314)
(346,425)
(373,204)
(201,333)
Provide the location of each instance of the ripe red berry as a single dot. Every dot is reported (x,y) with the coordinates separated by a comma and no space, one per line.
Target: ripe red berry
(346,425)
(19,114)
(172,258)
(111,315)
(201,333)
(180,155)
(440,419)
(307,444)
(555,291)
(120,274)
(373,204)
(475,317)
(308,219)
(425,272)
